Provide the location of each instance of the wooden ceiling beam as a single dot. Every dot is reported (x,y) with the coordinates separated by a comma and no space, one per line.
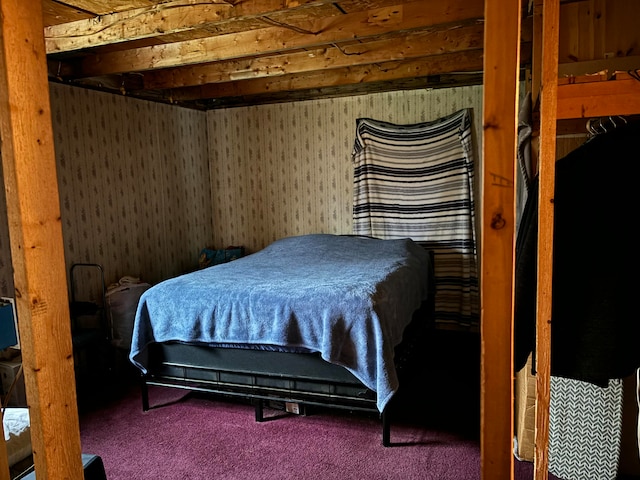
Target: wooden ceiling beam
(100,7)
(394,47)
(170,18)
(409,16)
(467,61)
(55,12)
(430,82)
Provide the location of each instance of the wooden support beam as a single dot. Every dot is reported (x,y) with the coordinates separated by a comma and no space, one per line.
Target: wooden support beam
(468,61)
(598,99)
(500,115)
(405,46)
(102,8)
(609,65)
(312,34)
(4,458)
(168,18)
(548,111)
(33,210)
(536,66)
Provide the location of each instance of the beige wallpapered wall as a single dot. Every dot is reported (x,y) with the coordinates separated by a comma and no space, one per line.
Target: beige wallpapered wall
(134,183)
(133,179)
(285,169)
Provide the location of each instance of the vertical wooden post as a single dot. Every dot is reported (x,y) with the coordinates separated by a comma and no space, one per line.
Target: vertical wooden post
(4,458)
(500,115)
(31,187)
(548,114)
(536,57)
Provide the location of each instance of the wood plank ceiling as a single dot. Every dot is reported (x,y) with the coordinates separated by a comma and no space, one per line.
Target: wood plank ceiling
(216,53)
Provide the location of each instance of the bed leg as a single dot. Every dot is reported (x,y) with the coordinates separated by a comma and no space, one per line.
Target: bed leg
(259,411)
(386,429)
(144,391)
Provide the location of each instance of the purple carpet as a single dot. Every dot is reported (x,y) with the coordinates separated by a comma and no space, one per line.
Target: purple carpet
(197,437)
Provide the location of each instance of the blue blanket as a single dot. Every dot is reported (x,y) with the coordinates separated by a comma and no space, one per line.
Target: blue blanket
(347,297)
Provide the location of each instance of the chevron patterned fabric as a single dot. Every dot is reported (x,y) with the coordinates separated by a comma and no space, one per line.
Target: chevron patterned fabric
(416,181)
(585,426)
(638,401)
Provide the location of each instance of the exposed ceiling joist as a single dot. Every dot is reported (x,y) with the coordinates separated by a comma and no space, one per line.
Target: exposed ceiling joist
(173,17)
(467,61)
(411,45)
(208,53)
(308,34)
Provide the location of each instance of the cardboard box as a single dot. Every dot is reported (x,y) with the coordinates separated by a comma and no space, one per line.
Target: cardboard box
(525,413)
(8,372)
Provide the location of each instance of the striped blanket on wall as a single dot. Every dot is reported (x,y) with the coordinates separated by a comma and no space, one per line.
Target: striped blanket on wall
(416,181)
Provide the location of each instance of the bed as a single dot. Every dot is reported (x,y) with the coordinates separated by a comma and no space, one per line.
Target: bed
(319,319)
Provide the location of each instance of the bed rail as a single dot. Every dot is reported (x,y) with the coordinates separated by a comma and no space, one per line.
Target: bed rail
(260,388)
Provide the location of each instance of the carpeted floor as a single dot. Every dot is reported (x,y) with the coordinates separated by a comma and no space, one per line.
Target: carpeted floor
(196,437)
(190,436)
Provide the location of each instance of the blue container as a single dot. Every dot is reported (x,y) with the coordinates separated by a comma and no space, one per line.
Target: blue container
(8,334)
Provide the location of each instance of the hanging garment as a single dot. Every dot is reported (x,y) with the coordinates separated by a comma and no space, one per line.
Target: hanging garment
(585,429)
(524,173)
(594,325)
(416,181)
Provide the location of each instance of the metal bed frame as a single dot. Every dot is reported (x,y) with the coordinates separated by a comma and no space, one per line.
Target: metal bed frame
(263,376)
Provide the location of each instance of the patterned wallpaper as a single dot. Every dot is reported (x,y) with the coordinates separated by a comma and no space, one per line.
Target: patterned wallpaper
(133,179)
(285,169)
(144,186)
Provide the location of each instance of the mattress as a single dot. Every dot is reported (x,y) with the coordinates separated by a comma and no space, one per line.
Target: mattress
(17,433)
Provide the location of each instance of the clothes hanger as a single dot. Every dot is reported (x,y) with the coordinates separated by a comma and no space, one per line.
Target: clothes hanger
(597,126)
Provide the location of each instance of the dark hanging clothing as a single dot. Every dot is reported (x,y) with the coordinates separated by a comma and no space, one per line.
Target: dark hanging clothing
(595,326)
